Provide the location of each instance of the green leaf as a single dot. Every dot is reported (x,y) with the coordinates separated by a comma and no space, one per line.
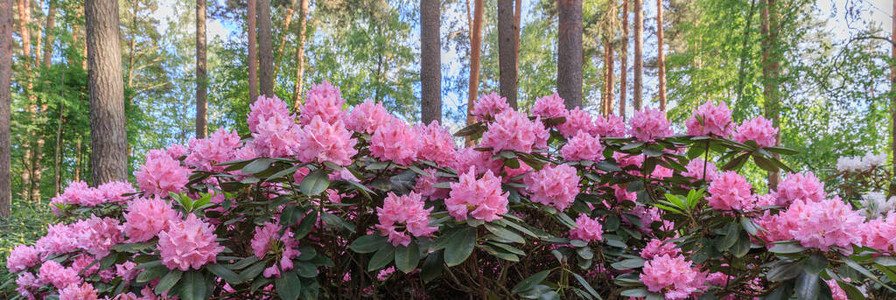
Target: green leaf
(764,163)
(252,271)
(381,258)
(432,266)
(288,285)
(306,270)
(457,251)
(787,248)
(368,243)
(257,166)
(225,273)
(193,286)
(748,225)
(742,246)
(315,183)
(816,263)
(888,261)
(132,247)
(306,225)
(530,282)
(168,281)
(732,234)
(505,234)
(807,286)
(587,286)
(784,271)
(406,258)
(151,273)
(337,221)
(628,264)
(781,150)
(635,293)
(852,293)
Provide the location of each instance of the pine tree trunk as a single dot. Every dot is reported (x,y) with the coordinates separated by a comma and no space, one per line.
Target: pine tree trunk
(430,61)
(44,106)
(78,157)
(623,61)
(660,57)
(265,49)
(610,78)
(475,49)
(108,138)
(51,25)
(57,157)
(290,10)
(770,56)
(253,53)
(28,156)
(201,77)
(508,34)
(639,60)
(300,57)
(569,52)
(5,103)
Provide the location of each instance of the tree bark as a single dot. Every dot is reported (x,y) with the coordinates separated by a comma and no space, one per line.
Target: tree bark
(265,48)
(638,59)
(27,157)
(770,56)
(201,77)
(623,60)
(660,57)
(569,52)
(5,103)
(46,62)
(475,49)
(108,138)
(430,61)
(290,10)
(57,157)
(51,24)
(300,58)
(252,56)
(508,35)
(610,78)
(78,157)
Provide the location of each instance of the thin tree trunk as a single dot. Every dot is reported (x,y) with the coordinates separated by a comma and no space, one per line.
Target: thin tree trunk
(253,60)
(28,155)
(44,106)
(639,60)
(660,57)
(508,34)
(201,77)
(517,14)
(744,52)
(623,61)
(475,49)
(5,103)
(892,97)
(78,157)
(300,57)
(430,61)
(569,52)
(57,180)
(38,35)
(290,10)
(610,79)
(51,24)
(770,75)
(265,48)
(108,138)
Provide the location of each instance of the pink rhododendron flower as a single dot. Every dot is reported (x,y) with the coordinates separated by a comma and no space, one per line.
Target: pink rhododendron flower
(22,257)
(188,244)
(397,142)
(97,235)
(672,276)
(322,100)
(404,210)
(583,146)
(265,108)
(161,176)
(625,160)
(176,151)
(657,247)
(730,191)
(649,124)
(798,186)
(425,185)
(218,147)
(512,130)
(267,239)
(59,239)
(438,144)
(276,136)
(384,273)
(84,291)
(127,270)
(623,195)
(550,107)
(85,266)
(610,126)
(587,229)
(824,224)
(78,193)
(146,217)
(697,167)
(469,157)
(367,117)
(837,293)
(577,120)
(489,106)
(323,141)
(709,119)
(114,191)
(555,186)
(758,130)
(26,283)
(480,198)
(53,273)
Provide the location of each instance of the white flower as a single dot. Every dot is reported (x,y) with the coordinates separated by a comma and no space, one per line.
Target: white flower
(876,204)
(859,164)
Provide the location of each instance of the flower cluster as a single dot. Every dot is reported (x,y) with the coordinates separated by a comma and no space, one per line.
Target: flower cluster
(512,130)
(649,124)
(395,141)
(758,130)
(861,163)
(730,191)
(800,186)
(404,210)
(481,198)
(587,229)
(489,106)
(673,276)
(188,244)
(162,175)
(583,146)
(555,186)
(268,240)
(549,107)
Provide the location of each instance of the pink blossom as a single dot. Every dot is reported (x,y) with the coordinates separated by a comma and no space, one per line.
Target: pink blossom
(127,270)
(267,239)
(146,217)
(587,229)
(26,283)
(300,174)
(97,235)
(323,141)
(397,142)
(276,135)
(425,185)
(404,210)
(384,273)
(512,130)
(823,224)
(623,195)
(758,130)
(709,119)
(577,120)
(550,107)
(489,106)
(437,143)
(878,233)
(161,176)
(798,186)
(265,108)
(730,191)
(78,193)
(649,124)
(176,151)
(481,198)
(672,276)
(322,100)
(84,291)
(367,117)
(697,167)
(657,247)
(264,237)
(188,244)
(555,186)
(85,266)
(22,257)
(469,157)
(625,160)
(837,293)
(55,274)
(609,126)
(60,239)
(114,191)
(218,147)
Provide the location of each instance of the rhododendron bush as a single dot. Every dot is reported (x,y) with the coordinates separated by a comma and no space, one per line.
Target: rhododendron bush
(332,202)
